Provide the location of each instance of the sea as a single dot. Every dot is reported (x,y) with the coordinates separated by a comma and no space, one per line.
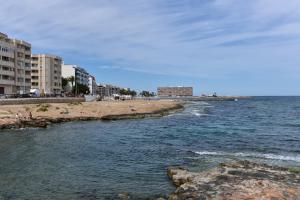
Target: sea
(129,158)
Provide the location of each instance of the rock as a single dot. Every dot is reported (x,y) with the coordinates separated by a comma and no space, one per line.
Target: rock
(179,175)
(124,196)
(242,180)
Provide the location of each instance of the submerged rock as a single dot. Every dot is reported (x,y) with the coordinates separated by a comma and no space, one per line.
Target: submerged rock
(242,180)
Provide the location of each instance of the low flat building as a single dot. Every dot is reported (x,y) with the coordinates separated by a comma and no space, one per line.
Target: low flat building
(46,74)
(15,66)
(174,91)
(106,90)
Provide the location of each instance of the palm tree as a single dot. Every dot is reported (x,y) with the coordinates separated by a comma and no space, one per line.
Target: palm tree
(72,80)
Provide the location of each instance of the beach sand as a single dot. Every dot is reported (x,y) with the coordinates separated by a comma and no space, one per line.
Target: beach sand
(40,115)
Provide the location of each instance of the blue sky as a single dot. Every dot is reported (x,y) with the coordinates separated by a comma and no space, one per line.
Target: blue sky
(232,47)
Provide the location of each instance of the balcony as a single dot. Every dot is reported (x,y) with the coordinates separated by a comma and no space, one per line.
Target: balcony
(27,60)
(7,72)
(7,63)
(8,54)
(7,82)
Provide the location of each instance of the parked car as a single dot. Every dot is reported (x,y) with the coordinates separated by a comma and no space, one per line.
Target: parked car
(23,96)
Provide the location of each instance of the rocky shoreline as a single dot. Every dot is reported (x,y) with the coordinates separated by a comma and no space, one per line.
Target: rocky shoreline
(109,111)
(243,180)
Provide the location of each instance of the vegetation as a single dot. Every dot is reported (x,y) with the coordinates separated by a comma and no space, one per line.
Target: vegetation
(75,103)
(80,89)
(64,83)
(72,80)
(147,94)
(128,92)
(295,170)
(43,107)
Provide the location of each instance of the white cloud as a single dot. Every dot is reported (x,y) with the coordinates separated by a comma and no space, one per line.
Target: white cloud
(168,37)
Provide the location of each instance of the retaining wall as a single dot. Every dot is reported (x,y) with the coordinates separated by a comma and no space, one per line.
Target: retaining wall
(39,101)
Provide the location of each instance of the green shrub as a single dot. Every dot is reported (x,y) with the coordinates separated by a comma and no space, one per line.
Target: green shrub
(295,170)
(75,103)
(43,107)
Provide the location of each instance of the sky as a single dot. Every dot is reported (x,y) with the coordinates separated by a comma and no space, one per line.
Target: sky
(232,47)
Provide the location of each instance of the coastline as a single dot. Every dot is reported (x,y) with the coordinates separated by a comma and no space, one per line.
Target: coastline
(241,180)
(42,115)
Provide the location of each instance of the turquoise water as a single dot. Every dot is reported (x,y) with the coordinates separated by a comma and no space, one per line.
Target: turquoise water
(99,160)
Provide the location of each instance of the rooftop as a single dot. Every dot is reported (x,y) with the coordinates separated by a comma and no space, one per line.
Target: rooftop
(46,55)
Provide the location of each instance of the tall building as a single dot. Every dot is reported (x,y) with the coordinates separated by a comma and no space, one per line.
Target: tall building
(23,66)
(15,67)
(175,91)
(46,74)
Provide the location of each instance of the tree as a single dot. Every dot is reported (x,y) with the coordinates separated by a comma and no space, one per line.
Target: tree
(133,93)
(64,83)
(147,94)
(72,80)
(81,89)
(124,91)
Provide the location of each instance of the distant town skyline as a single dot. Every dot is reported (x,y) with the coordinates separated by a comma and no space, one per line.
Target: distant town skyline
(226,46)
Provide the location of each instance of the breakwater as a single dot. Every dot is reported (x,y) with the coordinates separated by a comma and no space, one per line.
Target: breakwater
(207,98)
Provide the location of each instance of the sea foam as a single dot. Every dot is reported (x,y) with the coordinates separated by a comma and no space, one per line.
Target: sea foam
(252,155)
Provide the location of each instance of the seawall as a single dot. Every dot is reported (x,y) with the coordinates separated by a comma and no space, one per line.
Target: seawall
(23,101)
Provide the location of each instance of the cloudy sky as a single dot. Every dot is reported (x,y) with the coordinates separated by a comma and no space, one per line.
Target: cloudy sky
(241,47)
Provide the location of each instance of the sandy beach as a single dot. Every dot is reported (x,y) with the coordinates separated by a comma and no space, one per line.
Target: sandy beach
(40,115)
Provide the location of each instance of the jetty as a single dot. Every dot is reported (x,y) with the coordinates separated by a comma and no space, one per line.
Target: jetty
(205,98)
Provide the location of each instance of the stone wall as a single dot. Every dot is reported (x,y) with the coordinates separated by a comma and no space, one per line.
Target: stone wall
(39,101)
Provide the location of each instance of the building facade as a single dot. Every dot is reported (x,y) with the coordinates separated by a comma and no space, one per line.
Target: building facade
(23,66)
(175,91)
(80,75)
(105,90)
(92,85)
(15,66)
(46,74)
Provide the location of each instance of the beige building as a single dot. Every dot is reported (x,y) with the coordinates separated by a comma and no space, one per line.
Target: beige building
(23,66)
(15,67)
(46,74)
(175,91)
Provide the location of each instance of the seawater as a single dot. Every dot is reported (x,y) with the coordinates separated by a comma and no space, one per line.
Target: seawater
(99,160)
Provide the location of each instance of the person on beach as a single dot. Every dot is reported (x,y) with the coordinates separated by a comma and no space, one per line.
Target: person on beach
(18,120)
(30,115)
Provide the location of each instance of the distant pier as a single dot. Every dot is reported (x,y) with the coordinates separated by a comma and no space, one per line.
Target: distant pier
(207,98)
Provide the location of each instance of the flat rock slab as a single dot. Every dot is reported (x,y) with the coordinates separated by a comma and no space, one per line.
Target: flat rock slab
(236,181)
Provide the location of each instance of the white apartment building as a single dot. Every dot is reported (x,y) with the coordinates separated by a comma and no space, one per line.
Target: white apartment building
(15,67)
(80,75)
(92,85)
(46,73)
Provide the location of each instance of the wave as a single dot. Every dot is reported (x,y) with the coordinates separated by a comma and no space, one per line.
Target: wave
(197,112)
(251,155)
